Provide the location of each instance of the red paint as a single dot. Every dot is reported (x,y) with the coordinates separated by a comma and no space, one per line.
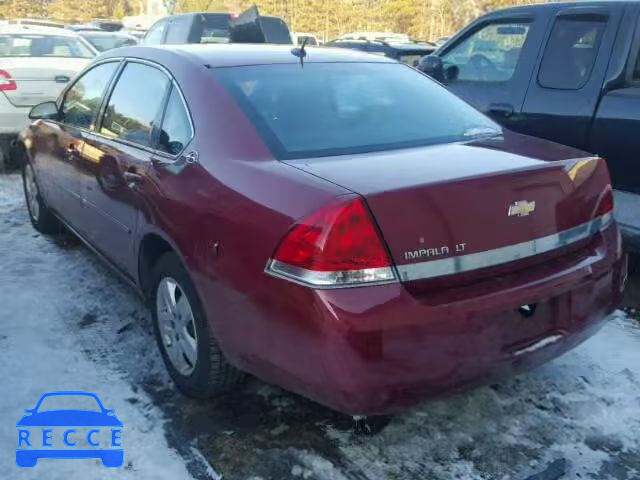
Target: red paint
(364,350)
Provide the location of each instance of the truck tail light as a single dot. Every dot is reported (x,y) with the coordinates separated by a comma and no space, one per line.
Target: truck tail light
(605,204)
(339,246)
(6,83)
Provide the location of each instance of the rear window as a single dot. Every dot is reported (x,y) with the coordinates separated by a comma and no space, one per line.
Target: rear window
(103,42)
(326,109)
(571,52)
(28,45)
(215,29)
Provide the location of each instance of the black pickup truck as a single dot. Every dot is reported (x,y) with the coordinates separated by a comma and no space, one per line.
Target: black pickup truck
(568,72)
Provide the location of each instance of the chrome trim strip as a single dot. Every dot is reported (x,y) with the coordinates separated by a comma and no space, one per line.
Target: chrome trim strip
(323,280)
(499,256)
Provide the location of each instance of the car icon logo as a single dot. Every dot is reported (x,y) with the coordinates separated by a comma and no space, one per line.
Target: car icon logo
(60,433)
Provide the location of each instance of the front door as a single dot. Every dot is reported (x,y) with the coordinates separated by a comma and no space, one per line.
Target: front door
(117,156)
(61,142)
(490,64)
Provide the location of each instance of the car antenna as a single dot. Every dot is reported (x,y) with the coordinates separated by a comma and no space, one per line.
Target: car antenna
(301,52)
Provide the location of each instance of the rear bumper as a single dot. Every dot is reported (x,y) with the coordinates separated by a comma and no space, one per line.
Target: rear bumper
(376,350)
(12,119)
(627,205)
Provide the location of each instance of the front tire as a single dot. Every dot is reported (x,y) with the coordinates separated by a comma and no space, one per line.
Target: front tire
(42,219)
(191,354)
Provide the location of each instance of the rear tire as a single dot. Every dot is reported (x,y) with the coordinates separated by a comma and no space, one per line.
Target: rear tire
(191,354)
(42,219)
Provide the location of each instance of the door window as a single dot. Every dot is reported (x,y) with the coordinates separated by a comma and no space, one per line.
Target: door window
(82,101)
(135,105)
(178,30)
(154,35)
(491,54)
(176,127)
(571,52)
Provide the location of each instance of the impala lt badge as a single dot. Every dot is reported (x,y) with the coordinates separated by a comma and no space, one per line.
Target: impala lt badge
(521,208)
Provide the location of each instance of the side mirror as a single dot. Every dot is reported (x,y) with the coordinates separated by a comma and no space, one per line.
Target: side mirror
(432,66)
(28,410)
(44,111)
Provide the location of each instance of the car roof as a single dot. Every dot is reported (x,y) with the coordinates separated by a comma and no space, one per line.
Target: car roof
(566,4)
(102,33)
(36,30)
(235,55)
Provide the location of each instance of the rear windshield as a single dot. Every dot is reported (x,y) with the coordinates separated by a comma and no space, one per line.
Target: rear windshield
(103,42)
(325,109)
(215,29)
(28,45)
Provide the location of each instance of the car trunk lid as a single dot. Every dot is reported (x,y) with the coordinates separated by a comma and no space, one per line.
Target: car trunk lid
(451,209)
(38,79)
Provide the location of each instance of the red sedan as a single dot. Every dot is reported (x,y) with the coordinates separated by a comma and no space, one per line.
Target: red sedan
(336,223)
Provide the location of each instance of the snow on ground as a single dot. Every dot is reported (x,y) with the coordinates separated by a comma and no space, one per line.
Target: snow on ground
(43,291)
(66,322)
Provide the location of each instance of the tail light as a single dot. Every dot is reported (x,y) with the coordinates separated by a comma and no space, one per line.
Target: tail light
(338,246)
(6,83)
(605,203)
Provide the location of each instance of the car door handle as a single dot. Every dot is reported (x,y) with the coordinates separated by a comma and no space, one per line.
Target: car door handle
(72,151)
(501,109)
(133,179)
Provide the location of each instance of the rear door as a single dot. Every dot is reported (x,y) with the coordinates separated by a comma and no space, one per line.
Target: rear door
(490,64)
(118,155)
(614,134)
(565,89)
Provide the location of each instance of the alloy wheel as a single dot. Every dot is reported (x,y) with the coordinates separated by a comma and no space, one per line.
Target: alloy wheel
(177,326)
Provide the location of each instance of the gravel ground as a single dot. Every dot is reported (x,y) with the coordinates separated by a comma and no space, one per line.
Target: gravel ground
(68,323)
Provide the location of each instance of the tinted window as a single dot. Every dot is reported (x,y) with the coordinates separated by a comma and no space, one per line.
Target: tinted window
(82,101)
(27,45)
(154,35)
(178,30)
(107,42)
(571,52)
(489,55)
(176,129)
(342,108)
(135,104)
(215,29)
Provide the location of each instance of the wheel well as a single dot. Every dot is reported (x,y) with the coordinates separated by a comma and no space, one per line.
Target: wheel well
(151,249)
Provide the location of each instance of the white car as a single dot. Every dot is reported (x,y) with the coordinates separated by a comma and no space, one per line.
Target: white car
(36,63)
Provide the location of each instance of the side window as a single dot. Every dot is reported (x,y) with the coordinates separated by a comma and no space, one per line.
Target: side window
(571,52)
(175,132)
(135,105)
(82,101)
(178,30)
(154,35)
(489,55)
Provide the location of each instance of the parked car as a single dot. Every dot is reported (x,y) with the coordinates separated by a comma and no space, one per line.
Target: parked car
(409,53)
(82,27)
(565,72)
(108,25)
(373,36)
(103,41)
(248,27)
(298,38)
(36,63)
(36,22)
(347,229)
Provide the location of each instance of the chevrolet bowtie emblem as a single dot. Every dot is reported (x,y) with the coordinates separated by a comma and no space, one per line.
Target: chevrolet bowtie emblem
(521,208)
